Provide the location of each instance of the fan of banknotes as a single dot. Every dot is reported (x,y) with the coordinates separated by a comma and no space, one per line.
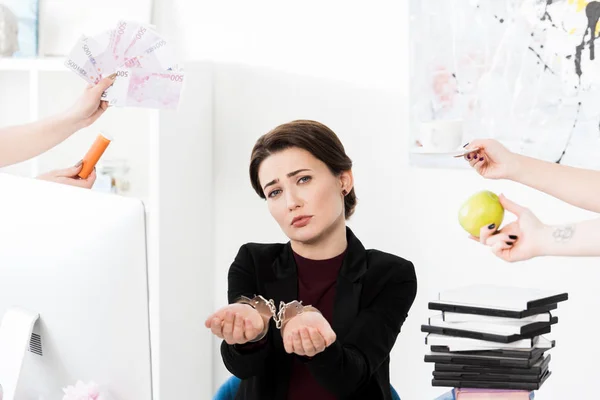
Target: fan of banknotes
(147,74)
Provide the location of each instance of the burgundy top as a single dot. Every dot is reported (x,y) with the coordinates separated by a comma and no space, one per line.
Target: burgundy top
(316,287)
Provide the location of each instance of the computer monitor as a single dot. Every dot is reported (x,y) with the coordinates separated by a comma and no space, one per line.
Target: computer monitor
(78,258)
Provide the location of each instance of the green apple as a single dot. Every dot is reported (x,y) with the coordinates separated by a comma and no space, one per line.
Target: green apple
(481,209)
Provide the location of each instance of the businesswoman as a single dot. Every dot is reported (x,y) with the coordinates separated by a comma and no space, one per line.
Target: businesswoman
(316,317)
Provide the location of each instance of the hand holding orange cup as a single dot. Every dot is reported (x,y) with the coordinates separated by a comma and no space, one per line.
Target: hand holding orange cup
(93,155)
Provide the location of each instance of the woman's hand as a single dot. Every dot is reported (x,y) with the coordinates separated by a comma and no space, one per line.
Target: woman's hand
(492,160)
(236,323)
(519,240)
(90,105)
(69,176)
(307,334)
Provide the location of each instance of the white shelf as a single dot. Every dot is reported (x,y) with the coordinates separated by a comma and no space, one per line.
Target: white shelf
(33,64)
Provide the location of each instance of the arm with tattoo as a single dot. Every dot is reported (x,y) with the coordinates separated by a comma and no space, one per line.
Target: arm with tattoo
(576,239)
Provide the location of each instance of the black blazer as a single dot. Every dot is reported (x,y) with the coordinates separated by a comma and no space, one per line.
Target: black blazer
(374,292)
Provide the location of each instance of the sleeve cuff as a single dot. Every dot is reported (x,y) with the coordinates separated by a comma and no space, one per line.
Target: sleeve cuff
(331,356)
(248,348)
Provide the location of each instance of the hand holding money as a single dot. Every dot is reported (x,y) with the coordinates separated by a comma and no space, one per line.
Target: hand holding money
(146,72)
(90,106)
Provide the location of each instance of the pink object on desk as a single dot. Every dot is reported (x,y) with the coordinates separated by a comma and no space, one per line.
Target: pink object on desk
(82,391)
(492,394)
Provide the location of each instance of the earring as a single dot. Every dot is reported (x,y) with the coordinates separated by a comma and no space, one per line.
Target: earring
(344,192)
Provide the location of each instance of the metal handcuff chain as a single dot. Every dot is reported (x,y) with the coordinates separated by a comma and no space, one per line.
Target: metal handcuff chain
(267,308)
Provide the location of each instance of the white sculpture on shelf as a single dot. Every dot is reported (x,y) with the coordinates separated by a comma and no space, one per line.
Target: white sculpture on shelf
(9,32)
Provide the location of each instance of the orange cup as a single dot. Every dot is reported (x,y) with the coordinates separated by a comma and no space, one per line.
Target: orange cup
(94,154)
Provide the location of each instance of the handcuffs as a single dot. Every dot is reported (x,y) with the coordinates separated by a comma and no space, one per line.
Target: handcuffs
(289,310)
(266,308)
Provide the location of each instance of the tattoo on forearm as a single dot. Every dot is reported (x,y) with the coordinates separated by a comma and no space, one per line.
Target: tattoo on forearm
(563,234)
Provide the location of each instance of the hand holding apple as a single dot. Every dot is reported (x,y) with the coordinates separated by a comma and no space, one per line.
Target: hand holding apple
(482,210)
(518,241)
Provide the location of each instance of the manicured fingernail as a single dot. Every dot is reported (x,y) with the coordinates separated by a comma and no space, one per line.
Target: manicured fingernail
(468,156)
(79,163)
(466,144)
(492,226)
(513,237)
(510,243)
(481,159)
(112,76)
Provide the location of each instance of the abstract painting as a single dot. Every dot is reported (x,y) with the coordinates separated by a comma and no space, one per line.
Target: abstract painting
(525,72)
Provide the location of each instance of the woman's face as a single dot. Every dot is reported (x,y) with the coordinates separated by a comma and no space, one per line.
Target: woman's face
(303,195)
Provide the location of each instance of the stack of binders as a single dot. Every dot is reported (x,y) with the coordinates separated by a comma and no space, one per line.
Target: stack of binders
(492,337)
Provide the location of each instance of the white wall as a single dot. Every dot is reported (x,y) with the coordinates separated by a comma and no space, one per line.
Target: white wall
(403,210)
(350,40)
(360,51)
(346,64)
(181,241)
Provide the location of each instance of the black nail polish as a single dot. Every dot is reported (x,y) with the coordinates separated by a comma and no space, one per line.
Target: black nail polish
(513,237)
(468,156)
(481,159)
(492,226)
(510,243)
(466,144)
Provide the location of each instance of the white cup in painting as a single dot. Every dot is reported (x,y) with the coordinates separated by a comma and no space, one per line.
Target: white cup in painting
(441,135)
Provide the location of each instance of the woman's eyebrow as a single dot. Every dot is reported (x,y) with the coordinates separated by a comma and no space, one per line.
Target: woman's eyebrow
(289,175)
(296,172)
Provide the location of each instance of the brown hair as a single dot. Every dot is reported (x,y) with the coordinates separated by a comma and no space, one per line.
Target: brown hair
(311,136)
